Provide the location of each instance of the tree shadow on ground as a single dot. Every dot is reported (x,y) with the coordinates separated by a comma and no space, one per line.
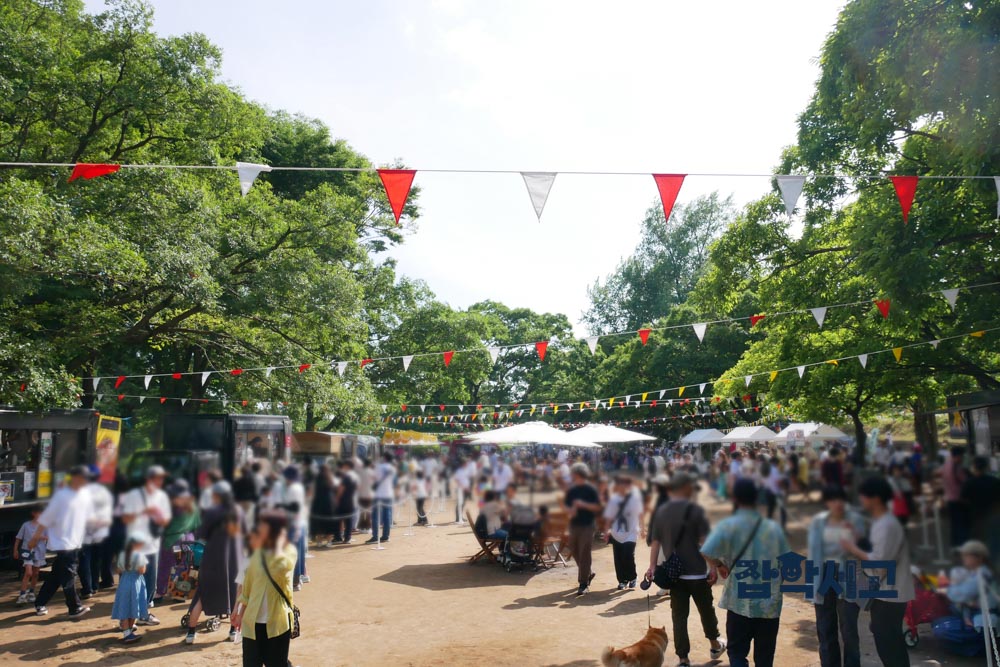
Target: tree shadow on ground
(58,646)
(455,576)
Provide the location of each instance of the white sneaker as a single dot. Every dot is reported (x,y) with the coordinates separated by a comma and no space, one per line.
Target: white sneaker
(304,578)
(22,599)
(41,611)
(297,587)
(662,592)
(31,596)
(717,652)
(191,635)
(151,620)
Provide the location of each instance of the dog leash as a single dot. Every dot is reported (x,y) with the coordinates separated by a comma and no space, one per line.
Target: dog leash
(649,613)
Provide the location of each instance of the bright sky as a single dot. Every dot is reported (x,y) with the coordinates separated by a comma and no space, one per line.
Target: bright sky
(531,86)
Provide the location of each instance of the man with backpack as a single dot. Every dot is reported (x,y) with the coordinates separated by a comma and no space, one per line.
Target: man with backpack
(679,527)
(743,540)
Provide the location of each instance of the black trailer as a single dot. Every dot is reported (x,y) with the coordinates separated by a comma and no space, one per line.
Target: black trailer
(192,445)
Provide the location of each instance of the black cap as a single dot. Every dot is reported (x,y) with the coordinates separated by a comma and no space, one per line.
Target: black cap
(79,471)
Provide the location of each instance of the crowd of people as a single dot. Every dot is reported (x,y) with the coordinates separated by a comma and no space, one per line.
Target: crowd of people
(256,531)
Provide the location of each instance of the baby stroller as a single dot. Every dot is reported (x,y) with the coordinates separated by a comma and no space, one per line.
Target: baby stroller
(183,580)
(519,548)
(927,606)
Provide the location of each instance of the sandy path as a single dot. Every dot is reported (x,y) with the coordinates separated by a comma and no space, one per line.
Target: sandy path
(418,603)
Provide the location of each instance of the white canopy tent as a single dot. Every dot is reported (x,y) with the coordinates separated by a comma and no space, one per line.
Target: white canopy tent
(749,434)
(605,434)
(529,433)
(810,432)
(703,436)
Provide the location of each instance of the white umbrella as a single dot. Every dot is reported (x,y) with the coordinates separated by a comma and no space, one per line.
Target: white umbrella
(750,434)
(528,433)
(607,434)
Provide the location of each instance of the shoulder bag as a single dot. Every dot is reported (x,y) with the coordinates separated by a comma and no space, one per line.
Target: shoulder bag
(669,571)
(296,628)
(746,545)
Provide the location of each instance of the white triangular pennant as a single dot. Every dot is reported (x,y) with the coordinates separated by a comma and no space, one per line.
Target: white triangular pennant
(268,371)
(662,392)
(791,188)
(819,314)
(225,402)
(204,377)
(248,172)
(100,396)
(494,353)
(183,401)
(951,296)
(423,408)
(141,399)
(146,380)
(461,408)
(863,358)
(592,344)
(699,331)
(701,387)
(341,367)
(802,371)
(628,399)
(94,382)
(539,184)
(406,362)
(748,378)
(935,343)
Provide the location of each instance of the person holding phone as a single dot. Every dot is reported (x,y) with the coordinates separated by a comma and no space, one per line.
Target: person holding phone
(263,612)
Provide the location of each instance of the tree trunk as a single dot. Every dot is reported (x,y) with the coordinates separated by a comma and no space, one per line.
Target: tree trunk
(311,418)
(925,428)
(860,439)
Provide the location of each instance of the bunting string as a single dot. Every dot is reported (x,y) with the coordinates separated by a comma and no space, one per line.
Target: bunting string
(819,314)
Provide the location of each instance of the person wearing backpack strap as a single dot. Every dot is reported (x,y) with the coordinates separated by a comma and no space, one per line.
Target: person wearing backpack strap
(748,536)
(680,526)
(264,611)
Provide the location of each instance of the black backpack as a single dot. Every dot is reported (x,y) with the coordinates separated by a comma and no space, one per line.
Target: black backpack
(480,527)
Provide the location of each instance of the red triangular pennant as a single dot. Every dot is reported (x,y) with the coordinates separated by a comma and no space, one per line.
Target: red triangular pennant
(87,170)
(447,358)
(754,319)
(176,376)
(883,307)
(365,362)
(236,371)
(402,407)
(24,386)
(441,408)
(304,367)
(668,185)
(906,187)
(540,347)
(644,335)
(162,400)
(397,184)
(121,397)
(244,403)
(118,382)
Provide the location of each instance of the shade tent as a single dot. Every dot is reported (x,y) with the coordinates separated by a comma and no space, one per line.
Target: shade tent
(749,434)
(605,434)
(703,436)
(810,432)
(527,434)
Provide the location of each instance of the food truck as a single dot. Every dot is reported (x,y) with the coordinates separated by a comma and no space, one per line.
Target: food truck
(192,445)
(321,446)
(37,449)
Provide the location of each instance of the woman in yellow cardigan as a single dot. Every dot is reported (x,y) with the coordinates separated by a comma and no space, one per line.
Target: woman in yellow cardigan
(267,632)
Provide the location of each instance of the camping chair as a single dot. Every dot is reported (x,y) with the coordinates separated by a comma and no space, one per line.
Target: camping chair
(487,546)
(554,533)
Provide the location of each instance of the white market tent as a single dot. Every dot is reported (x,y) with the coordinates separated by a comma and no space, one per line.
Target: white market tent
(529,433)
(809,432)
(749,434)
(702,436)
(605,434)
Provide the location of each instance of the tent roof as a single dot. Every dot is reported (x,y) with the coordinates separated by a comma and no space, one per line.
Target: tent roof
(528,433)
(811,431)
(749,434)
(607,434)
(703,435)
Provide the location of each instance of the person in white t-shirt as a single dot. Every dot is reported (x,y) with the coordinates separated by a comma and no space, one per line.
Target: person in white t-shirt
(624,513)
(146,512)
(503,476)
(64,522)
(385,496)
(95,557)
(294,502)
(418,489)
(463,477)
(429,465)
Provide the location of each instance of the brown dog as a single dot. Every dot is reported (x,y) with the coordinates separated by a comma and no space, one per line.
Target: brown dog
(647,652)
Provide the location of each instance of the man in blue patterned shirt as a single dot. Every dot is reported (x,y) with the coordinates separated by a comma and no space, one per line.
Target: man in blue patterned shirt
(739,544)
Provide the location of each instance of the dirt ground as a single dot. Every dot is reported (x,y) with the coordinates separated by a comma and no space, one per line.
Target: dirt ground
(417,602)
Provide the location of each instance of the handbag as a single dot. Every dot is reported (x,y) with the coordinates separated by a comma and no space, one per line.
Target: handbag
(296,628)
(669,571)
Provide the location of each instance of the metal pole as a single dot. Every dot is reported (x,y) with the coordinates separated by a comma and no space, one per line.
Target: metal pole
(925,545)
(940,560)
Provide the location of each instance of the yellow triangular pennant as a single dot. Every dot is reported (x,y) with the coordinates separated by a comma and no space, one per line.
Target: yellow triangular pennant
(774,374)
(833,362)
(898,353)
(977,334)
(644,397)
(680,392)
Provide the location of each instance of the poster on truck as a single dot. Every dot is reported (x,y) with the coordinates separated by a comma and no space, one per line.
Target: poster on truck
(109,433)
(45,465)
